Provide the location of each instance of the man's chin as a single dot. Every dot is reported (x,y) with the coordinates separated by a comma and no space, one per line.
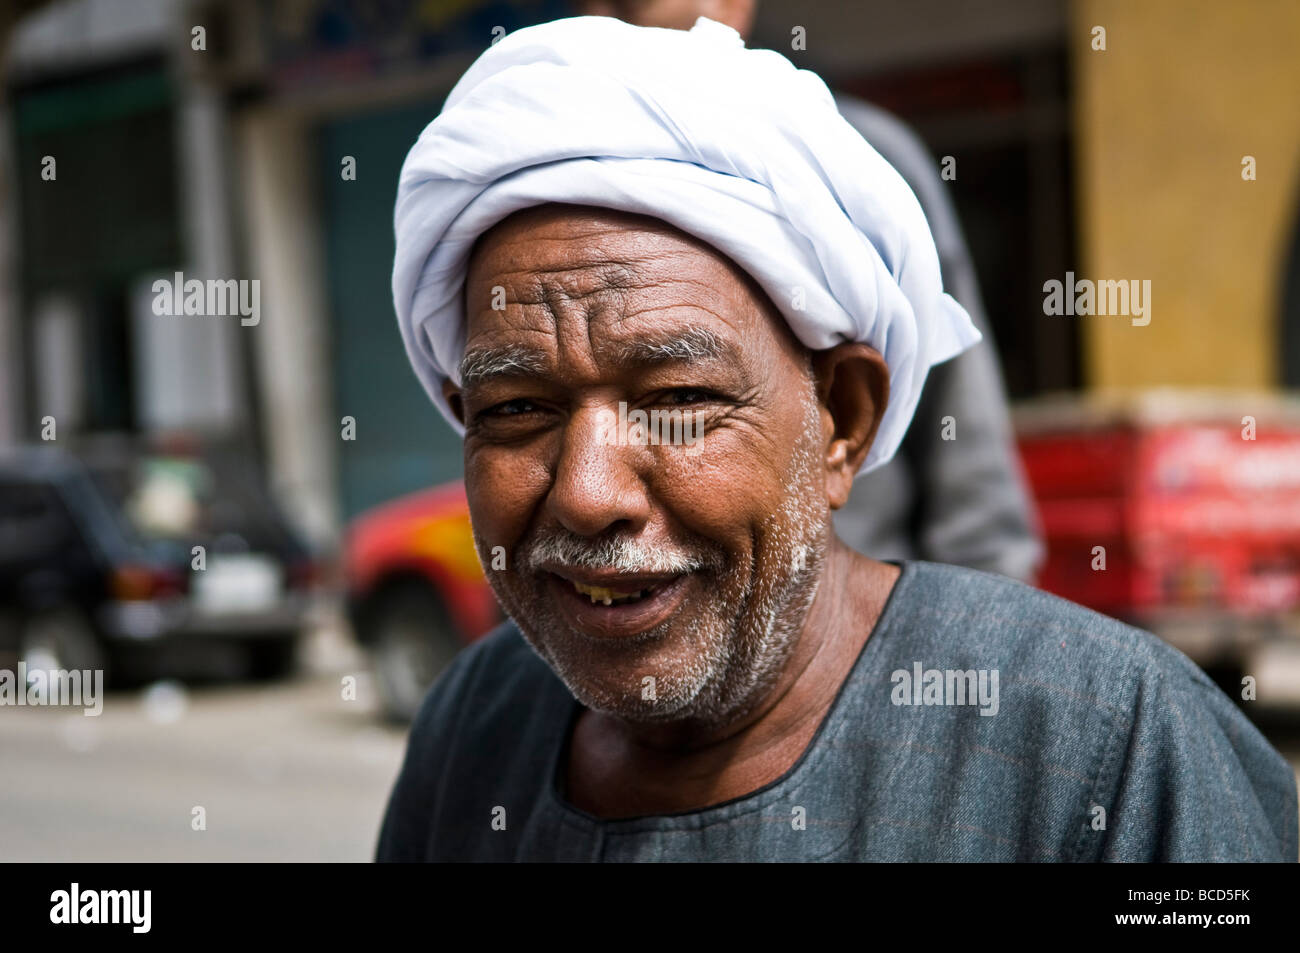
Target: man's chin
(630,705)
(656,676)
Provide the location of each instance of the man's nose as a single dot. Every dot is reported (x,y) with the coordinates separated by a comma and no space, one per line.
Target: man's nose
(597,485)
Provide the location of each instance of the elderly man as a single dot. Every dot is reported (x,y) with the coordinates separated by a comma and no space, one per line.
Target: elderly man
(676,304)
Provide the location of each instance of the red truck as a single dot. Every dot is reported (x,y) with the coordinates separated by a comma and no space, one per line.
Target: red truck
(1179,512)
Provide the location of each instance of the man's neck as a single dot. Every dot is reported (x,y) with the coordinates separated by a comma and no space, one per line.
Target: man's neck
(620,769)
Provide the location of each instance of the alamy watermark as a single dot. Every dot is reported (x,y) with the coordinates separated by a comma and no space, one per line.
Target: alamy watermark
(37,687)
(922,686)
(216,297)
(652,428)
(132,908)
(1087,297)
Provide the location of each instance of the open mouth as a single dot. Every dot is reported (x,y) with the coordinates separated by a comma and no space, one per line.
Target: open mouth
(611,597)
(621,607)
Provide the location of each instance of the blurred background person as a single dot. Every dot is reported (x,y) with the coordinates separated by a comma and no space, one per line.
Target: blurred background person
(954,493)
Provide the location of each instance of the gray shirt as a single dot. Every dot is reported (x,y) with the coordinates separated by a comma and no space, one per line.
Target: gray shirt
(1101,743)
(963,500)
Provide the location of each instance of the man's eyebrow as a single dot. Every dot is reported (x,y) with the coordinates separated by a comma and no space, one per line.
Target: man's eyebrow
(482,364)
(690,346)
(505,360)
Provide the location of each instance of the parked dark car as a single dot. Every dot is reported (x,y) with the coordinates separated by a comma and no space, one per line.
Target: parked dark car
(121,559)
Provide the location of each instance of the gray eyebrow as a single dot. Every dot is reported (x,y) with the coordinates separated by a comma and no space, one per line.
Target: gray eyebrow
(484,363)
(695,344)
(517,360)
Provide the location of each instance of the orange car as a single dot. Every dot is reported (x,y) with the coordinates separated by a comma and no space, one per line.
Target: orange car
(416,592)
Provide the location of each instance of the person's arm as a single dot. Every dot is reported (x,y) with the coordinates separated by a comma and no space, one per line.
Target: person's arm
(972,505)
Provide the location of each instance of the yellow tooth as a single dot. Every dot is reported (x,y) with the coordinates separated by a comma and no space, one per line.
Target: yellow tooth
(601,593)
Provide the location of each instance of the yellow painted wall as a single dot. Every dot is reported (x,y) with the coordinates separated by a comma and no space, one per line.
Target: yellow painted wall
(1163,117)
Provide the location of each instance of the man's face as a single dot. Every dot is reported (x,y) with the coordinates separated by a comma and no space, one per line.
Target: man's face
(707,553)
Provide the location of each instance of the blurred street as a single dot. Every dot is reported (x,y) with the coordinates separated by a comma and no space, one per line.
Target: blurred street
(284,772)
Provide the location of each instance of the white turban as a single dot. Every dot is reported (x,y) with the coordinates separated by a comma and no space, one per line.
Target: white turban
(734,146)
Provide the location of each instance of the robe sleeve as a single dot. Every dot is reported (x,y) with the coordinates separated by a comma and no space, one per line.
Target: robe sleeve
(1191,779)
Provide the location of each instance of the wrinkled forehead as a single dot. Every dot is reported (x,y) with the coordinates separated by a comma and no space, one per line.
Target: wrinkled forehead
(637,285)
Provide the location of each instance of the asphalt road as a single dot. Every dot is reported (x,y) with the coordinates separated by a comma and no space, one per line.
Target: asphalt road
(284,772)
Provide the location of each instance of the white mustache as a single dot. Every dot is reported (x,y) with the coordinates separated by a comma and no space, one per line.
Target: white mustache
(618,553)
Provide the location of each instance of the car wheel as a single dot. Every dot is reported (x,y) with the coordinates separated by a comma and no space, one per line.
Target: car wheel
(62,638)
(413,639)
(273,658)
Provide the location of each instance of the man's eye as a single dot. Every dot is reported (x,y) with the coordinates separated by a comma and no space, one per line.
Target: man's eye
(510,408)
(689,395)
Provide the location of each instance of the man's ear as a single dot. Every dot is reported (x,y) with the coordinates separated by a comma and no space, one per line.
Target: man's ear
(852,382)
(451,393)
